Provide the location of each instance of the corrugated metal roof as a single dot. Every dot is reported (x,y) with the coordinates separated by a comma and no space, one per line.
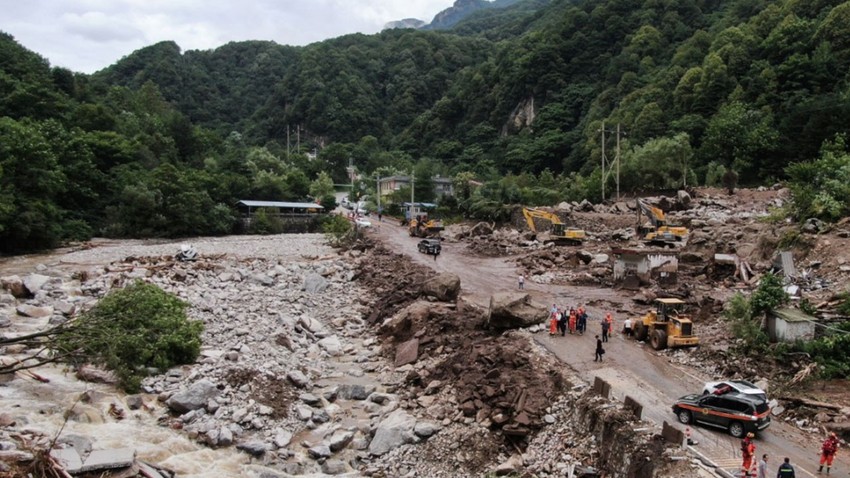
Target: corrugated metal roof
(793,315)
(293,205)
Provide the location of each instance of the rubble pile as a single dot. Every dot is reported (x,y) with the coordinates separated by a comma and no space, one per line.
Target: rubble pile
(291,373)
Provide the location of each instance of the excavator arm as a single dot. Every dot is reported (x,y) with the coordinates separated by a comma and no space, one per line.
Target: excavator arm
(661,232)
(560,232)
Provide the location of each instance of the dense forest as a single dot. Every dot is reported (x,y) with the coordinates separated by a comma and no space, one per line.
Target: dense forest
(164,142)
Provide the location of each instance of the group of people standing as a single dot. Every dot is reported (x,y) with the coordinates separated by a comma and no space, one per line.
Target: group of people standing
(562,320)
(748,451)
(574,320)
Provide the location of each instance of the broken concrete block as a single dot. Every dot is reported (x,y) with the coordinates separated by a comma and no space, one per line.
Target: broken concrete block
(109,459)
(68,458)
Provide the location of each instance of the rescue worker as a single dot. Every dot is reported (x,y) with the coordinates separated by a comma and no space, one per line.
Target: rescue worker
(827,453)
(573,319)
(521,282)
(786,470)
(627,327)
(562,323)
(582,322)
(553,321)
(610,320)
(748,451)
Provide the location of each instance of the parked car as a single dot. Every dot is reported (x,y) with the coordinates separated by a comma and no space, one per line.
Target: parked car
(739,386)
(734,412)
(430,246)
(362,222)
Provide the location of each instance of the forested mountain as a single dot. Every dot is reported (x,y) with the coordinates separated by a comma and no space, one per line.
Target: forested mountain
(515,96)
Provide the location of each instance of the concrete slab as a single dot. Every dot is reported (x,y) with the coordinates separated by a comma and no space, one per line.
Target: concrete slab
(109,459)
(68,458)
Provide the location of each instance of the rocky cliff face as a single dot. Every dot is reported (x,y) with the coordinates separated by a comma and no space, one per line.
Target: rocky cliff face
(406,23)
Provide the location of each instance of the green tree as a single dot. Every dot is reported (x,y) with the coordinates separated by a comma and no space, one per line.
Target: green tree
(131,330)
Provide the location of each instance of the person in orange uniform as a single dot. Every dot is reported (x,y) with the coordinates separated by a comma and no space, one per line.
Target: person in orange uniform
(553,321)
(573,319)
(748,451)
(610,320)
(828,451)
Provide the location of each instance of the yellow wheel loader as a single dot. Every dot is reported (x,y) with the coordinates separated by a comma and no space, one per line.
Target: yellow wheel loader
(666,326)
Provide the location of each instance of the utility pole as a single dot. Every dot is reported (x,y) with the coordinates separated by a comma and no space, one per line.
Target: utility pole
(412,175)
(287,141)
(617,159)
(351,174)
(378,189)
(298,139)
(610,165)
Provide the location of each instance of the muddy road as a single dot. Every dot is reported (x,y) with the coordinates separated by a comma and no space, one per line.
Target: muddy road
(630,367)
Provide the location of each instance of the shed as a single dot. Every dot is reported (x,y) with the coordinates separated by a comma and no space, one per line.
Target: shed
(413,209)
(789,325)
(634,268)
(249,207)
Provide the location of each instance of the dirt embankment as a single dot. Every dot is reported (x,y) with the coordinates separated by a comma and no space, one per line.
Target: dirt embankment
(519,407)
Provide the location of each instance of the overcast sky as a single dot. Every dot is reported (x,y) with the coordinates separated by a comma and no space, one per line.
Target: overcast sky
(87,35)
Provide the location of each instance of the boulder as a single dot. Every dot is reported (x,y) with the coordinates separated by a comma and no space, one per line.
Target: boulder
(585,206)
(444,287)
(15,286)
(34,282)
(509,467)
(355,391)
(393,431)
(314,284)
(334,467)
(425,429)
(253,448)
(282,438)
(261,279)
(481,229)
(509,310)
(33,311)
(319,451)
(683,198)
(332,345)
(298,379)
(406,353)
(415,313)
(340,439)
(193,398)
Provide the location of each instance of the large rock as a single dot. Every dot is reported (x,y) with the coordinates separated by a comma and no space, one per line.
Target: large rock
(33,311)
(444,287)
(193,398)
(314,284)
(408,352)
(332,345)
(510,310)
(684,198)
(392,432)
(414,314)
(15,286)
(34,282)
(481,229)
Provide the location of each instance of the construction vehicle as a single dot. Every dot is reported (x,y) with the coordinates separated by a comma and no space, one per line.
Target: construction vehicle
(560,233)
(658,232)
(666,326)
(422,226)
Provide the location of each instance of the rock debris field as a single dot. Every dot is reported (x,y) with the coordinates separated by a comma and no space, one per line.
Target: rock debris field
(315,362)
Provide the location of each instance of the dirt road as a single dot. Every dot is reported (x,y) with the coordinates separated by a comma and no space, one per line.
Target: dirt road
(631,368)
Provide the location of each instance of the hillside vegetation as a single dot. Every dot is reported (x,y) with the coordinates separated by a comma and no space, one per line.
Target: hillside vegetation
(164,142)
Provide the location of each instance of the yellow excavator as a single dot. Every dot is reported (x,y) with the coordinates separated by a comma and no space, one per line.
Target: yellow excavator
(658,232)
(560,233)
(421,226)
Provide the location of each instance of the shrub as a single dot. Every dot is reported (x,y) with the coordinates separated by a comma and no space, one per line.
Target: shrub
(131,331)
(769,295)
(337,229)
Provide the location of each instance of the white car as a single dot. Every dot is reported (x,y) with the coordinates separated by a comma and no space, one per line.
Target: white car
(362,222)
(739,386)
